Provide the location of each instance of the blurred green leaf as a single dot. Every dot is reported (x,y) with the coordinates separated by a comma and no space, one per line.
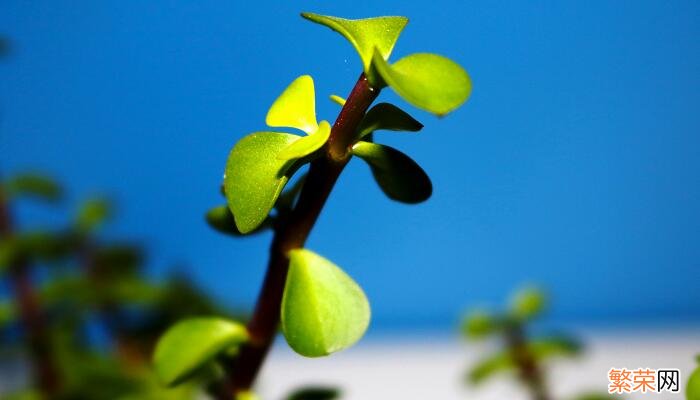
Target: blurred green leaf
(595,396)
(490,366)
(33,185)
(399,176)
(337,99)
(365,35)
(295,107)
(323,309)
(93,213)
(693,388)
(247,395)
(8,313)
(221,219)
(255,177)
(306,145)
(479,324)
(385,116)
(191,343)
(315,393)
(26,394)
(117,259)
(528,303)
(558,346)
(428,81)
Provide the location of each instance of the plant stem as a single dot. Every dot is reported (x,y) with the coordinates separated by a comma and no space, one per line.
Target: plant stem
(292,233)
(530,372)
(41,355)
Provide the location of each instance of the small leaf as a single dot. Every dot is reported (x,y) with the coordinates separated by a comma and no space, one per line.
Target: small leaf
(428,81)
(389,117)
(399,177)
(490,366)
(221,219)
(315,393)
(296,107)
(93,213)
(306,145)
(543,349)
(365,34)
(527,303)
(191,343)
(337,99)
(479,325)
(323,309)
(246,395)
(255,177)
(34,185)
(693,388)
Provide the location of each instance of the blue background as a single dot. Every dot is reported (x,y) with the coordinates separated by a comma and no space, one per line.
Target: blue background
(575,164)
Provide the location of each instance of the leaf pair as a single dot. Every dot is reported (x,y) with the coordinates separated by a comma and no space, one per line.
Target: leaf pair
(261,163)
(428,81)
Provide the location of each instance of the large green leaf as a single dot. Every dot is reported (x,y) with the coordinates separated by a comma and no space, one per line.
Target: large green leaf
(33,185)
(296,107)
(191,343)
(484,369)
(528,303)
(323,309)
(255,176)
(365,34)
(306,145)
(385,116)
(428,81)
(398,175)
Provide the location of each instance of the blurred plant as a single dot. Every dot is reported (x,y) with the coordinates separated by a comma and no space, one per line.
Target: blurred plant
(692,391)
(321,309)
(521,354)
(67,283)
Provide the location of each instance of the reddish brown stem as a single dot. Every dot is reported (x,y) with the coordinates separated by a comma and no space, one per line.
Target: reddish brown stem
(529,370)
(292,234)
(41,356)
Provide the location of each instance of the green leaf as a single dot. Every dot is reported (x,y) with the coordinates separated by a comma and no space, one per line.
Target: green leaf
(398,176)
(246,395)
(388,117)
(8,313)
(315,393)
(323,309)
(693,388)
(337,99)
(490,366)
(479,325)
(543,349)
(34,185)
(296,107)
(191,343)
(93,213)
(365,34)
(306,145)
(528,303)
(428,81)
(595,396)
(221,219)
(255,177)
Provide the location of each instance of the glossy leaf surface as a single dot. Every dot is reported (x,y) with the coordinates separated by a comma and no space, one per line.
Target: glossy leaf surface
(191,343)
(337,100)
(398,175)
(385,116)
(323,309)
(295,107)
(255,176)
(221,219)
(428,81)
(306,145)
(365,34)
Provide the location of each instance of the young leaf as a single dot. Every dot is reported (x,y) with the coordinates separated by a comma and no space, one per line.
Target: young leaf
(400,178)
(389,117)
(296,107)
(191,343)
(221,219)
(337,99)
(428,81)
(365,34)
(490,366)
(323,309)
(34,185)
(479,325)
(527,303)
(92,214)
(306,145)
(255,177)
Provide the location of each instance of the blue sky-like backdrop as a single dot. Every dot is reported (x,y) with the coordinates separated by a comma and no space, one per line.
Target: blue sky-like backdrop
(575,164)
